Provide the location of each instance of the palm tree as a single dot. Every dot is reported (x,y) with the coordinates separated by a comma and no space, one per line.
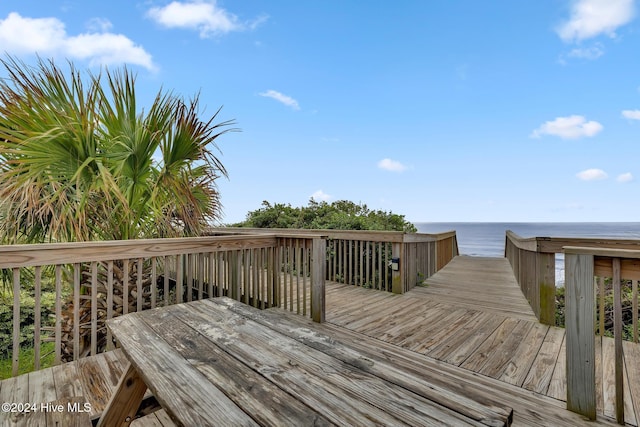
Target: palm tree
(80,160)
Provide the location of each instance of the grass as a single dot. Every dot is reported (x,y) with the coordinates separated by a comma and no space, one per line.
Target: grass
(27,360)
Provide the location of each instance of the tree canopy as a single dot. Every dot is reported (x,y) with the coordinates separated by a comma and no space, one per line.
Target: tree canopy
(340,215)
(81,160)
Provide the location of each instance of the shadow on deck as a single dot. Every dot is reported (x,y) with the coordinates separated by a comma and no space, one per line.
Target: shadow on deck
(472,314)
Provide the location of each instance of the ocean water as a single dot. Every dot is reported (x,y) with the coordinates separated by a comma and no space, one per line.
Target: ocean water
(487,238)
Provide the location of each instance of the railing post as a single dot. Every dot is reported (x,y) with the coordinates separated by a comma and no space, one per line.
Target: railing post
(546,280)
(579,321)
(318,261)
(617,336)
(235,263)
(397,278)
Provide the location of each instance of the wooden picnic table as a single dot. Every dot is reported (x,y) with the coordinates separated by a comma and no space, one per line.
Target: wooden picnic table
(220,362)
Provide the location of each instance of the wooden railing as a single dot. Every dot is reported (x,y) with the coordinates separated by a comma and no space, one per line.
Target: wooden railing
(95,281)
(533,262)
(535,273)
(584,297)
(384,260)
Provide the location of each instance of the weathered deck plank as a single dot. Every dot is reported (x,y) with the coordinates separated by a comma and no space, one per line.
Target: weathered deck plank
(539,375)
(479,283)
(499,338)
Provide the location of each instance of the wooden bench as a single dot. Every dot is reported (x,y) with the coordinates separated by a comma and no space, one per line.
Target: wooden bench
(90,380)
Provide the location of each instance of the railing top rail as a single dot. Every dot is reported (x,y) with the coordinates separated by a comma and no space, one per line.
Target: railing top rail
(372,235)
(12,256)
(437,236)
(603,252)
(556,244)
(526,243)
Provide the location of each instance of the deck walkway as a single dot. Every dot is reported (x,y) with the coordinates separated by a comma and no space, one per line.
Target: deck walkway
(480,283)
(469,315)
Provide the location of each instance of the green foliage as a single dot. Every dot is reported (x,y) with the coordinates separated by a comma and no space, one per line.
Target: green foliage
(27,318)
(627,310)
(80,160)
(27,360)
(339,215)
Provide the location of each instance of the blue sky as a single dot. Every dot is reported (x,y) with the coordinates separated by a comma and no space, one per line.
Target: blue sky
(461,110)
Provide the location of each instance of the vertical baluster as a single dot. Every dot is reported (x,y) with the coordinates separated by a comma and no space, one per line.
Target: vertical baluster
(110,345)
(58,309)
(16,322)
(617,326)
(298,256)
(335,243)
(139,301)
(361,262)
(367,254)
(76,311)
(220,270)
(634,304)
(154,280)
(378,248)
(305,256)
(37,317)
(290,259)
(125,286)
(277,262)
(94,308)
(212,274)
(190,266)
(318,253)
(179,279)
(269,277)
(259,267)
(200,276)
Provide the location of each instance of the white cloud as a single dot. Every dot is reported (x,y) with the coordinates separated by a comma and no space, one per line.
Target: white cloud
(592,175)
(47,36)
(590,18)
(625,177)
(391,165)
(631,114)
(571,127)
(203,16)
(286,100)
(320,196)
(593,52)
(99,25)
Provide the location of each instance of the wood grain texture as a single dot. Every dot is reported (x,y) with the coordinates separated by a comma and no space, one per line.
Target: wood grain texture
(166,374)
(125,400)
(579,321)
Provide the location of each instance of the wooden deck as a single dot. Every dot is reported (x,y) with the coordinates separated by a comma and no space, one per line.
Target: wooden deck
(471,314)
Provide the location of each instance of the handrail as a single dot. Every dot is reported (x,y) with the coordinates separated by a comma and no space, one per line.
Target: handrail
(535,273)
(582,265)
(381,236)
(556,244)
(533,262)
